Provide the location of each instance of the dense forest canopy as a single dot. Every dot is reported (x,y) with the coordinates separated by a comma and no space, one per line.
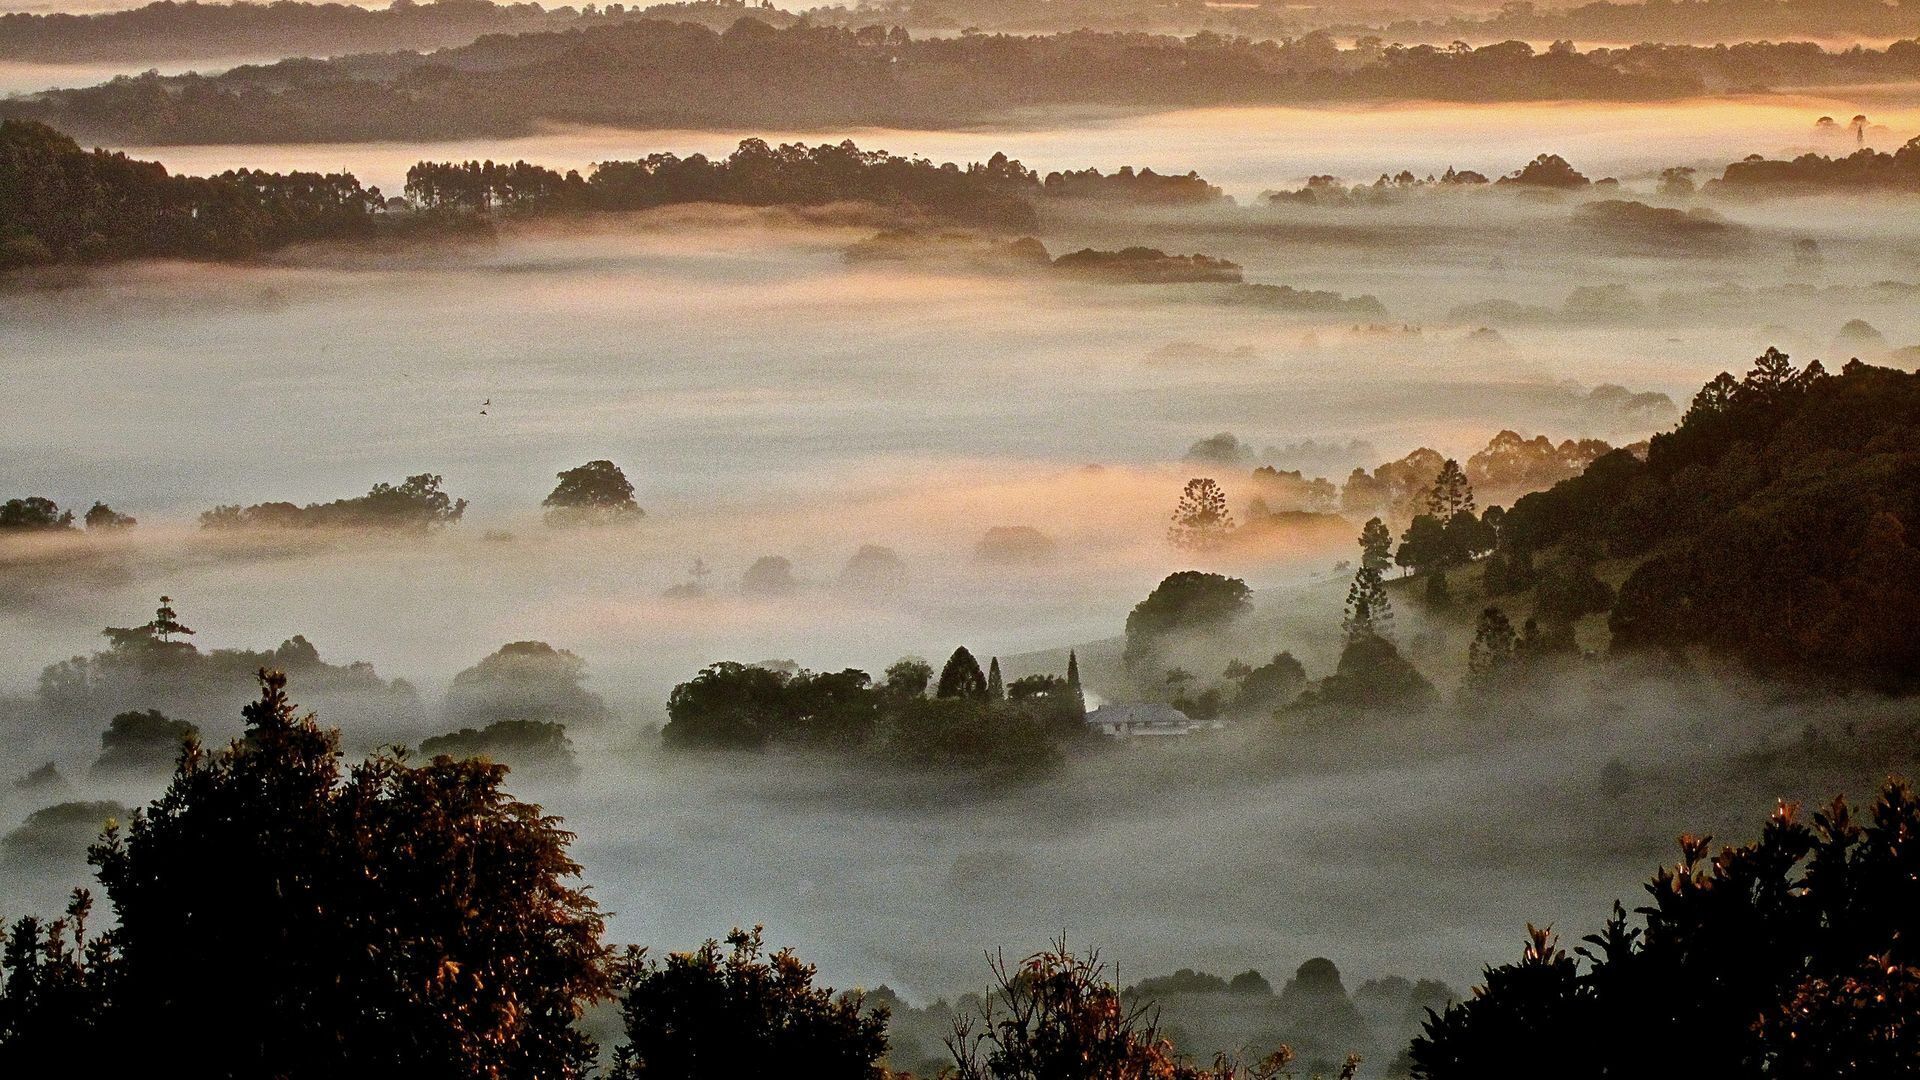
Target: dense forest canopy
(753,75)
(1773,526)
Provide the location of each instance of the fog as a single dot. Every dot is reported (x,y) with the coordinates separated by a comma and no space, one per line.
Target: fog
(767,396)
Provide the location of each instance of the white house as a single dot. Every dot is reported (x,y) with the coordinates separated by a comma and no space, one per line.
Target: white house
(1148,718)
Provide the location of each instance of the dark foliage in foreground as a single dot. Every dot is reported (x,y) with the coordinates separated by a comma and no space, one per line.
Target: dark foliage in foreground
(713,1014)
(1056,1016)
(383,920)
(1792,956)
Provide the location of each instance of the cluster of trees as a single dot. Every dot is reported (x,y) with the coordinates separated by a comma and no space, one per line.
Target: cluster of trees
(1147,265)
(1675,21)
(62,204)
(1861,171)
(972,719)
(1187,603)
(1451,532)
(515,706)
(1143,188)
(1130,265)
(1790,956)
(1627,225)
(415,504)
(1327,190)
(812,76)
(154,666)
(35,514)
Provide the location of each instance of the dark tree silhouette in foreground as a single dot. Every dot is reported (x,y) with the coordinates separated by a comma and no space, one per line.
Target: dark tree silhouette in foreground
(1056,1016)
(385,920)
(1792,956)
(715,1014)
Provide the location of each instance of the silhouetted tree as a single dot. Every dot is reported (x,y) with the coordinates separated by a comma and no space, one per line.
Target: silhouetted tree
(1376,545)
(1056,1017)
(594,493)
(1189,601)
(1368,611)
(1492,651)
(101,517)
(394,919)
(909,677)
(1451,493)
(961,677)
(1077,699)
(1201,520)
(1792,955)
(143,741)
(996,690)
(715,1015)
(34,514)
(57,989)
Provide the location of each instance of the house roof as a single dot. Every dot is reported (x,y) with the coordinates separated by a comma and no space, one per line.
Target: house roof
(1143,712)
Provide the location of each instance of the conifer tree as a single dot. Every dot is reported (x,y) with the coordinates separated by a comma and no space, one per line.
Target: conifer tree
(962,677)
(1376,545)
(1368,612)
(1494,642)
(996,690)
(1201,520)
(1450,493)
(1076,698)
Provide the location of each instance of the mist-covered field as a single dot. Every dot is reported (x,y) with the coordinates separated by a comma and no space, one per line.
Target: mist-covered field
(769,396)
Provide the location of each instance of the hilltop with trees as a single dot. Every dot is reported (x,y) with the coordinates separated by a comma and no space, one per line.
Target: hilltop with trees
(1769,530)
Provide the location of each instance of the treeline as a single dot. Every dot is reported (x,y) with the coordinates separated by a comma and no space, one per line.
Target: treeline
(416,504)
(1865,170)
(62,204)
(34,514)
(1861,171)
(654,74)
(996,193)
(170,31)
(1675,21)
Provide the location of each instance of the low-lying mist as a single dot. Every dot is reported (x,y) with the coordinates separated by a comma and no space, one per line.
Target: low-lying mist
(768,396)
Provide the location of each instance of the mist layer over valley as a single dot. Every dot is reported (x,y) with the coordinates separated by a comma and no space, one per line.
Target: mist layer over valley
(1004,421)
